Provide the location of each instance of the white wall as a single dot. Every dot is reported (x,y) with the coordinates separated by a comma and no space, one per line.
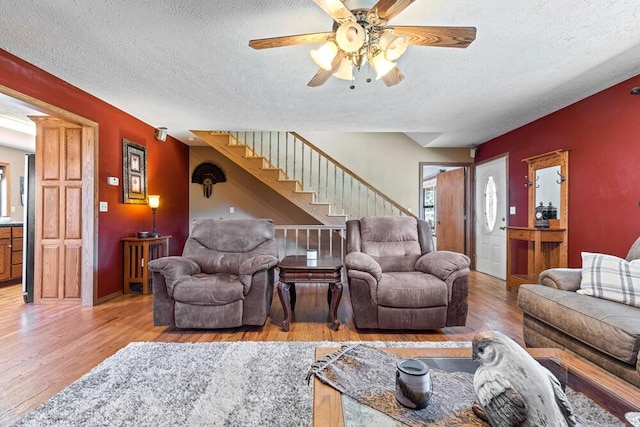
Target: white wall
(16,159)
(388,161)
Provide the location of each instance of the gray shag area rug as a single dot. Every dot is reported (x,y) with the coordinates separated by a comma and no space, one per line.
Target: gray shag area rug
(196,384)
(207,384)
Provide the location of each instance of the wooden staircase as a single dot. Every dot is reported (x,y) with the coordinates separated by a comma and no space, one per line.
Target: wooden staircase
(303,174)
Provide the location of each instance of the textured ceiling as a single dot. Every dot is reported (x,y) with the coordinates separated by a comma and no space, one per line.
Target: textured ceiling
(187,65)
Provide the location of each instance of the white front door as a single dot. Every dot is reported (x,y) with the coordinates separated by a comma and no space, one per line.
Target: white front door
(491,217)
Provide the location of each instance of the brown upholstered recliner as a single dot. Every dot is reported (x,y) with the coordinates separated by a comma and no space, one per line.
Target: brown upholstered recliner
(397,280)
(223,279)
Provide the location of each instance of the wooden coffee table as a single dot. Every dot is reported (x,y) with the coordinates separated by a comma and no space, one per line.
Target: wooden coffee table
(298,269)
(608,391)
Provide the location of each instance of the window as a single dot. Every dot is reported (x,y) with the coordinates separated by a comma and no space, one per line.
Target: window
(490,203)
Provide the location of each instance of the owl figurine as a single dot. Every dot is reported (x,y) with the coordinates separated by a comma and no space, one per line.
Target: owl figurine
(513,389)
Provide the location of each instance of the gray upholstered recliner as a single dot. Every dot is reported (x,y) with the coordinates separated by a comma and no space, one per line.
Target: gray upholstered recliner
(223,279)
(398,281)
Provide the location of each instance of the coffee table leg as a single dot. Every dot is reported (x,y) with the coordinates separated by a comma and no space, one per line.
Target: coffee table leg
(285,299)
(335,290)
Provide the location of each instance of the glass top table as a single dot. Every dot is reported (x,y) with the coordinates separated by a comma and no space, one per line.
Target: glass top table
(613,395)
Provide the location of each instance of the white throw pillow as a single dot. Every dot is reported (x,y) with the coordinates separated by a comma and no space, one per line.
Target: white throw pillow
(611,278)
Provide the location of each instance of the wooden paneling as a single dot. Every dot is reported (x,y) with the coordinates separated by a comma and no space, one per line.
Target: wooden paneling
(71,273)
(73,222)
(73,155)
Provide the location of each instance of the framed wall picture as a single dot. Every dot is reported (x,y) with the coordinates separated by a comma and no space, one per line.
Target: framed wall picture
(134,172)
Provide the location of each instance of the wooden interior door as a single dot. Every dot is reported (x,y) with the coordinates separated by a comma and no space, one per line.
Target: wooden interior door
(63,193)
(451,210)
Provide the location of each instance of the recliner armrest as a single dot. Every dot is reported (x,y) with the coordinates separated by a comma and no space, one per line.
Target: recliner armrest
(442,263)
(173,268)
(251,266)
(257,263)
(566,279)
(363,262)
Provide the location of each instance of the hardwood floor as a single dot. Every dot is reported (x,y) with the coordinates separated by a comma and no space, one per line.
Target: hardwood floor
(44,348)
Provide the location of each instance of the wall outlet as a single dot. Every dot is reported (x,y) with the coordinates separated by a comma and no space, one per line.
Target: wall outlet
(104,207)
(13,209)
(231,209)
(512,210)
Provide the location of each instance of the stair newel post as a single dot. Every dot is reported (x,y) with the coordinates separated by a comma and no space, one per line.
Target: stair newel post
(302,164)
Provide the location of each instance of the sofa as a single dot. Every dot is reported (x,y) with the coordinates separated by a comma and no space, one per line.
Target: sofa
(592,311)
(224,278)
(397,280)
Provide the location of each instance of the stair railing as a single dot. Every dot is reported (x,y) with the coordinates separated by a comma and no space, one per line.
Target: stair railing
(317,172)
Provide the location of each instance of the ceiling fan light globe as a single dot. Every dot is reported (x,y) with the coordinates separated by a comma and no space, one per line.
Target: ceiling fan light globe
(345,71)
(393,45)
(350,36)
(323,56)
(381,65)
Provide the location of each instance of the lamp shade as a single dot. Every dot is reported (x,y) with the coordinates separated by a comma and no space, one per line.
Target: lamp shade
(393,45)
(154,201)
(345,71)
(323,56)
(381,65)
(350,36)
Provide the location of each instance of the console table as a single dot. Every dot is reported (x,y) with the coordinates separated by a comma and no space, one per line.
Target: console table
(546,248)
(137,253)
(298,269)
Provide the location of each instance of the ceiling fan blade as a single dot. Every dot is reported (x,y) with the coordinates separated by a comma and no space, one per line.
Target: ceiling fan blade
(323,75)
(336,9)
(388,9)
(291,40)
(437,36)
(393,77)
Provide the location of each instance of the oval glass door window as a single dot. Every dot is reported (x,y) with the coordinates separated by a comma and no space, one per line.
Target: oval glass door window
(490,203)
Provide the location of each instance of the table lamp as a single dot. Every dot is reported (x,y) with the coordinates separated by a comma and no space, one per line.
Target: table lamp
(154,202)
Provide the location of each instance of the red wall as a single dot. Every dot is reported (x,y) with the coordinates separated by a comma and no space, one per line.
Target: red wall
(602,133)
(167,174)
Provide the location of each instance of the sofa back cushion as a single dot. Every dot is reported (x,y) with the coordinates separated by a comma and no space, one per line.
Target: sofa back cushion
(392,241)
(611,278)
(221,245)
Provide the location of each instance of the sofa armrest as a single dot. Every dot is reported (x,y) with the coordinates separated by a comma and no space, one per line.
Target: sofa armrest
(173,268)
(257,263)
(362,262)
(442,263)
(251,266)
(566,279)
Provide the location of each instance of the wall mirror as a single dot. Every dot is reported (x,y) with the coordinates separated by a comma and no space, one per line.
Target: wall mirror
(548,181)
(547,187)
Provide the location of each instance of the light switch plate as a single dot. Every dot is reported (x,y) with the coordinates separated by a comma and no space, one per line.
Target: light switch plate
(104,207)
(512,210)
(112,180)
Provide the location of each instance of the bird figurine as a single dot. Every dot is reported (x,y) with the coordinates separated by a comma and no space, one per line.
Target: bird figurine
(513,389)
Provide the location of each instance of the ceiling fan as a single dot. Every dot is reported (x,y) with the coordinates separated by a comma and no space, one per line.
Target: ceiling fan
(362,35)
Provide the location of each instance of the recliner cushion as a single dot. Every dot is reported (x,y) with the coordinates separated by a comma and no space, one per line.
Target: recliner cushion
(611,327)
(392,241)
(411,290)
(218,289)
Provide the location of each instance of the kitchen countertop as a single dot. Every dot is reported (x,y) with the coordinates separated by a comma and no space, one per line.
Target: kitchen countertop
(12,224)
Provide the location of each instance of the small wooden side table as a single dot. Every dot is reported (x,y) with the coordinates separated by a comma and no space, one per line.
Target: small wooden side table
(137,253)
(298,269)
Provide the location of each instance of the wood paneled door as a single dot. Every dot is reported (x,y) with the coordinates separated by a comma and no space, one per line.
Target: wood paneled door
(451,210)
(64,227)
